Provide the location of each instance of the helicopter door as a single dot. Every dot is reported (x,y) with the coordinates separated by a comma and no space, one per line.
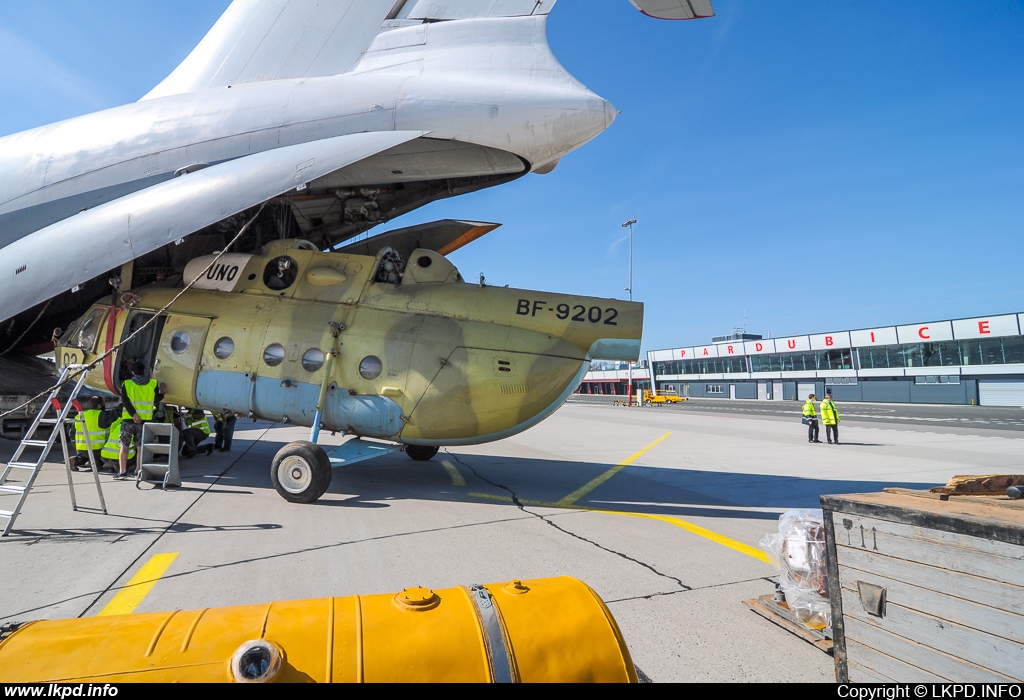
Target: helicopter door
(178,355)
(141,347)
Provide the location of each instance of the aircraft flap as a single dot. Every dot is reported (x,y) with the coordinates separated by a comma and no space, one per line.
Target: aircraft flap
(675,9)
(435,10)
(81,247)
(257,40)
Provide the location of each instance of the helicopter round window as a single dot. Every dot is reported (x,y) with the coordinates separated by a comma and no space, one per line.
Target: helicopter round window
(224,348)
(313,360)
(179,342)
(370,367)
(280,273)
(274,354)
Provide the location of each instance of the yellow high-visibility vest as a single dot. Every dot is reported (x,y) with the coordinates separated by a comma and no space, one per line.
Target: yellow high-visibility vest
(809,411)
(97,436)
(112,447)
(829,413)
(201,424)
(143,397)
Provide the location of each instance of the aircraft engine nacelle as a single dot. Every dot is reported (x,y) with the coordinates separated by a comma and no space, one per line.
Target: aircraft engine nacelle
(546,630)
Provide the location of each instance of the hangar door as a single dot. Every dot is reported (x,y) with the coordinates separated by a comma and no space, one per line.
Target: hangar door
(1001,393)
(803,389)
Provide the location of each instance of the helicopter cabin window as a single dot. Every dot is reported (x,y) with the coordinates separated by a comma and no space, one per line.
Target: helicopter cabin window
(180,342)
(313,360)
(224,348)
(370,367)
(274,354)
(83,334)
(280,273)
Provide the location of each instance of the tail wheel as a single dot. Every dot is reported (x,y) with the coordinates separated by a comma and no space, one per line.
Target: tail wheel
(648,402)
(421,453)
(301,472)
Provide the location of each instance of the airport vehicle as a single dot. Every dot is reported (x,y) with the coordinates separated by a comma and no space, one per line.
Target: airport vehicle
(328,117)
(661,397)
(393,345)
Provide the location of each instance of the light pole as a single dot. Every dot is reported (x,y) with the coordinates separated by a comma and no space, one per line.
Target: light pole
(629,225)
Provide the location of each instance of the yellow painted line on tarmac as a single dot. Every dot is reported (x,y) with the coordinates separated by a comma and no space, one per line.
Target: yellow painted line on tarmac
(454,473)
(582,491)
(707,534)
(133,593)
(699,531)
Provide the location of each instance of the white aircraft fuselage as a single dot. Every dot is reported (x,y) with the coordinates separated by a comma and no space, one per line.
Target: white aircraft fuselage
(306,120)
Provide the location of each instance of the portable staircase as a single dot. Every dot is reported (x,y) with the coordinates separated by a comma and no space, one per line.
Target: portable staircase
(20,463)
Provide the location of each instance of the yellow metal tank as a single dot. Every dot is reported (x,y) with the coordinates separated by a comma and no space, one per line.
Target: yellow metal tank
(545,630)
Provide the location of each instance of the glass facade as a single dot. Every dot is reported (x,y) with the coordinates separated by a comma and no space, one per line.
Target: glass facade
(950,353)
(709,365)
(803,361)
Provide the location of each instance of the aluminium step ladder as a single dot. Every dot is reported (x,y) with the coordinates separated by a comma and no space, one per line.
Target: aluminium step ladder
(20,463)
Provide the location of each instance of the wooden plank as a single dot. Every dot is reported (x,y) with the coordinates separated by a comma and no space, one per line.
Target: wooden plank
(964,517)
(835,601)
(944,667)
(990,500)
(970,555)
(767,608)
(983,618)
(860,674)
(985,650)
(980,483)
(886,665)
(851,534)
(982,591)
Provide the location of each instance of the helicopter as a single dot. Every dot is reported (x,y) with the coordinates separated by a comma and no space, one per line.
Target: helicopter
(384,341)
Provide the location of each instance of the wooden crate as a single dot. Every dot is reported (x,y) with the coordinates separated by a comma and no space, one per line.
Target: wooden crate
(925,587)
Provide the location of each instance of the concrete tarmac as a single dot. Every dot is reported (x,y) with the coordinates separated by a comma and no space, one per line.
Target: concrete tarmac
(658,510)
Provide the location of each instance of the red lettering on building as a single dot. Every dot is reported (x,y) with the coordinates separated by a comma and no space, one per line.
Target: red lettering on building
(791,344)
(983,327)
(828,340)
(921,331)
(730,350)
(682,353)
(758,347)
(872,336)
(705,351)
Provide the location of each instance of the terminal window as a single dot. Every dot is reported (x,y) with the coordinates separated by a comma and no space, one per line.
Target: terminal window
(936,380)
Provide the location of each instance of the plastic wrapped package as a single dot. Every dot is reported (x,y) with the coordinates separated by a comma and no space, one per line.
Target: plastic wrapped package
(798,549)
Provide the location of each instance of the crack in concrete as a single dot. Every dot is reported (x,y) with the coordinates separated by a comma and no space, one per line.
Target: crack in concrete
(520,506)
(651,596)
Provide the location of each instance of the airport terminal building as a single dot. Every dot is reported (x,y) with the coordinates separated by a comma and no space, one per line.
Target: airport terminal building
(960,361)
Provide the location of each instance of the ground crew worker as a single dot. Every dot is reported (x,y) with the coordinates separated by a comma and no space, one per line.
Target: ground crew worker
(89,436)
(139,397)
(811,418)
(224,424)
(111,451)
(197,429)
(830,417)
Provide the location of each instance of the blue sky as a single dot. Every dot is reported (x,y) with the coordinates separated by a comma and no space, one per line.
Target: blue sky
(817,166)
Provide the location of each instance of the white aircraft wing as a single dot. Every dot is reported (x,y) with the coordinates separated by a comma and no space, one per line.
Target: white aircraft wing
(675,9)
(257,40)
(79,248)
